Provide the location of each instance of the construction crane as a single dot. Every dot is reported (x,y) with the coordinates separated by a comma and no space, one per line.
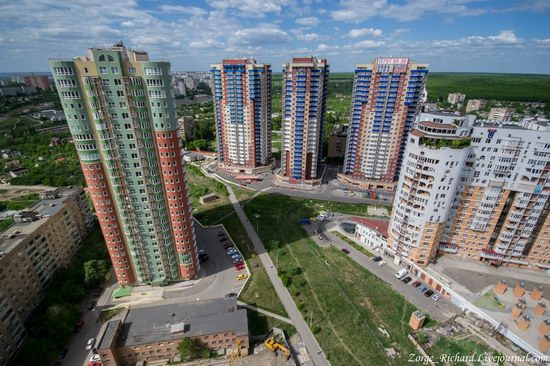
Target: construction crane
(235,353)
(273,345)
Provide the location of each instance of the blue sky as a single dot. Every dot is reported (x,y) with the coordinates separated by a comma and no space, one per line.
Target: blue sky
(450,35)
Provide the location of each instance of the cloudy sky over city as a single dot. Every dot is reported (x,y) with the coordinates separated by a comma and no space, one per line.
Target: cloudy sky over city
(450,35)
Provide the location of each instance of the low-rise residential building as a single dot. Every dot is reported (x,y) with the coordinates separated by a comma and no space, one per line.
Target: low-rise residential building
(372,234)
(50,114)
(475,105)
(43,239)
(187,127)
(337,141)
(455,98)
(500,114)
(152,334)
(477,190)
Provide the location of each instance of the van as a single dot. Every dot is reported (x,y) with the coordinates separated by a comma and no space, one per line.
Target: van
(402,273)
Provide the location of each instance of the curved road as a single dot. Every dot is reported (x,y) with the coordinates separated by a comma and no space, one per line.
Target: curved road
(309,340)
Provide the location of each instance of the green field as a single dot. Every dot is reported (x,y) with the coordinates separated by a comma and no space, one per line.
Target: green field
(345,305)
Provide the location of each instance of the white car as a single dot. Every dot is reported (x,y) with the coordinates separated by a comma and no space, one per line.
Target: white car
(381,263)
(95,358)
(90,344)
(436,297)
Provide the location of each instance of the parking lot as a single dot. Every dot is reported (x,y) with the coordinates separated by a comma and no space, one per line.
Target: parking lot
(439,310)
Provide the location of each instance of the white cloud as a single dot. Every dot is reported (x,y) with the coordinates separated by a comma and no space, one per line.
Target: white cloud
(504,38)
(542,42)
(363,32)
(308,37)
(249,7)
(356,11)
(178,9)
(310,21)
(259,35)
(207,43)
(400,31)
(368,44)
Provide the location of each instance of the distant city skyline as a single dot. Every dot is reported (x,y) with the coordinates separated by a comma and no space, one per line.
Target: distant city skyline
(451,35)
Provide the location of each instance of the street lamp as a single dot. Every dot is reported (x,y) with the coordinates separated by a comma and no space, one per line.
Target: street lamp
(257,216)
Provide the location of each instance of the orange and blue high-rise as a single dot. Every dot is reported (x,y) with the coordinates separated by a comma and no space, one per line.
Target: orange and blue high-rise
(385,104)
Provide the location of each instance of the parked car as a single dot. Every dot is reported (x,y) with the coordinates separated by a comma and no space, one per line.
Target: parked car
(231,294)
(381,263)
(201,252)
(429,293)
(231,251)
(221,233)
(240,268)
(436,297)
(345,250)
(237,260)
(203,258)
(78,326)
(95,358)
(228,246)
(402,273)
(236,264)
(242,276)
(90,305)
(320,237)
(98,291)
(224,239)
(406,279)
(416,283)
(422,289)
(90,344)
(377,259)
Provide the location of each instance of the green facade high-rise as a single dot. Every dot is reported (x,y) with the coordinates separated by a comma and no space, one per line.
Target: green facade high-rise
(121,113)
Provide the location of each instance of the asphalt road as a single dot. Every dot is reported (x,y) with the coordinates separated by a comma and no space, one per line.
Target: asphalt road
(314,350)
(439,310)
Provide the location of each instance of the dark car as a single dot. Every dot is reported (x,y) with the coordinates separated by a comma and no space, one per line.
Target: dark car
(416,283)
(428,293)
(377,259)
(345,250)
(98,291)
(203,258)
(227,246)
(406,279)
(63,353)
(231,294)
(90,305)
(221,233)
(224,239)
(78,326)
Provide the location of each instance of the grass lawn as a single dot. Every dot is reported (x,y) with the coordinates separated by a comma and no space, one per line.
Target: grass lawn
(488,301)
(463,345)
(4,224)
(352,243)
(259,324)
(20,203)
(344,303)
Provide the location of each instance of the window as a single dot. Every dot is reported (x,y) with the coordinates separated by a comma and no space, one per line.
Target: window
(131,70)
(103,69)
(66,83)
(153,71)
(114,70)
(155,82)
(157,94)
(63,70)
(71,95)
(118,82)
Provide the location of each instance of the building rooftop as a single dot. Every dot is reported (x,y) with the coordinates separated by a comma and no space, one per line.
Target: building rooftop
(379,225)
(29,220)
(168,322)
(340,130)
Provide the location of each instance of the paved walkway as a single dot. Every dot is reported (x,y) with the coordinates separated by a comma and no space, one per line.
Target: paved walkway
(265,312)
(312,346)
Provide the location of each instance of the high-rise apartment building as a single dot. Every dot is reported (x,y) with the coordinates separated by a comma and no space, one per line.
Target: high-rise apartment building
(305,83)
(242,108)
(43,238)
(500,114)
(475,105)
(480,191)
(121,112)
(38,81)
(385,104)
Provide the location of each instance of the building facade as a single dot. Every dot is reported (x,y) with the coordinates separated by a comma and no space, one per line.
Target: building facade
(385,104)
(500,114)
(121,112)
(478,191)
(218,324)
(242,108)
(337,141)
(455,98)
(38,81)
(305,83)
(44,238)
(187,127)
(475,105)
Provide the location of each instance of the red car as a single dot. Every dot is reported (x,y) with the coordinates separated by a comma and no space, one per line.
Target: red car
(416,283)
(345,250)
(240,268)
(237,264)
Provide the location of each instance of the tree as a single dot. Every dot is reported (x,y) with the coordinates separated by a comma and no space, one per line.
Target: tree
(95,271)
(190,349)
